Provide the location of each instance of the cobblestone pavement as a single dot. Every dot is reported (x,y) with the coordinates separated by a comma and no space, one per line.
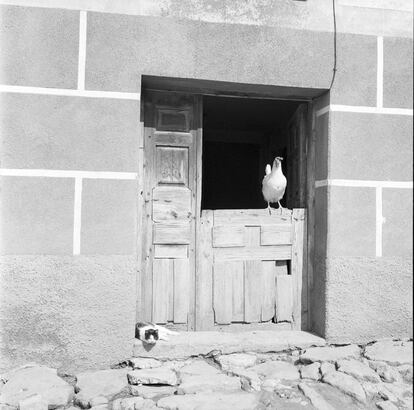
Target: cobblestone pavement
(378,375)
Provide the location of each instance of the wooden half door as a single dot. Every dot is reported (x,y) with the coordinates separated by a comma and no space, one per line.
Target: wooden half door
(250,267)
(171,133)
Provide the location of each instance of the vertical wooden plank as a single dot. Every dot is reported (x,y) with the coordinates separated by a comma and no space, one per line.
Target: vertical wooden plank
(297,264)
(310,216)
(140,216)
(181,290)
(147,246)
(253,285)
(222,288)
(237,291)
(269,290)
(284,298)
(161,290)
(192,175)
(303,130)
(204,273)
(252,279)
(170,310)
(253,236)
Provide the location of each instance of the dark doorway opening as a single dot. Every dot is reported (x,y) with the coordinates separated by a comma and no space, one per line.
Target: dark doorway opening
(241,136)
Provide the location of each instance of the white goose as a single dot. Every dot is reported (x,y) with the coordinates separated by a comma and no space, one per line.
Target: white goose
(274,184)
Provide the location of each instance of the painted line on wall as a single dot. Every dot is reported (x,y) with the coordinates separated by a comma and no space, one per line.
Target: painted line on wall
(364,183)
(16,89)
(54,173)
(379,220)
(82,49)
(379,187)
(372,110)
(395,5)
(78,176)
(364,110)
(380,72)
(323,111)
(77,216)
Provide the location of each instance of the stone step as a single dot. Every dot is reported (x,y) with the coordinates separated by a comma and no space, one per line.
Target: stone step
(188,344)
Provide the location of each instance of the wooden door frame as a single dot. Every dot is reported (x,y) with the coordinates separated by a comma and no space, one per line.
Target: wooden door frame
(198,119)
(196,285)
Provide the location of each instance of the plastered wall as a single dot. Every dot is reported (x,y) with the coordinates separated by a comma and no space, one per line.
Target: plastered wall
(70,164)
(364,194)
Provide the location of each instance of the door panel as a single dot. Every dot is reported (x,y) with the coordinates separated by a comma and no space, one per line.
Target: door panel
(253,288)
(269,290)
(172,165)
(222,291)
(247,253)
(162,282)
(169,234)
(171,204)
(171,132)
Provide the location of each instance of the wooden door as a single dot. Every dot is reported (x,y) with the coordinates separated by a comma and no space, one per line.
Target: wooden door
(171,133)
(250,267)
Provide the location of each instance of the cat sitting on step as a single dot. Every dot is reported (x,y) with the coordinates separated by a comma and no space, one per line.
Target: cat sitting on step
(150,333)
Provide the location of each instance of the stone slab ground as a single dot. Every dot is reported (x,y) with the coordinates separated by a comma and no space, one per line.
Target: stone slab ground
(251,371)
(190,344)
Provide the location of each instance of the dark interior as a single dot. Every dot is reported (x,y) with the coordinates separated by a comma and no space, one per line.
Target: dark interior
(241,136)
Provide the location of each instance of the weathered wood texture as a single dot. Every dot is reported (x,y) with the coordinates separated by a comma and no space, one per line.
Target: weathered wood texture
(170,234)
(264,253)
(171,251)
(171,118)
(238,280)
(169,197)
(146,305)
(253,286)
(172,165)
(310,215)
(269,290)
(251,217)
(275,235)
(225,236)
(140,217)
(181,290)
(284,298)
(299,266)
(250,263)
(162,282)
(204,273)
(172,139)
(222,295)
(171,204)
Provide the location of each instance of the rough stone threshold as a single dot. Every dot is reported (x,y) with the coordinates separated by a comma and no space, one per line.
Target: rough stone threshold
(189,344)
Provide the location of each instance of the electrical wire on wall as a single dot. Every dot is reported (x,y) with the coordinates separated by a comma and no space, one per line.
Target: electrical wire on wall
(334,69)
(334,23)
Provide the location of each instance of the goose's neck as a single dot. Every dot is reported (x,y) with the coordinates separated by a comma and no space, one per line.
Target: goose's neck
(277,169)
